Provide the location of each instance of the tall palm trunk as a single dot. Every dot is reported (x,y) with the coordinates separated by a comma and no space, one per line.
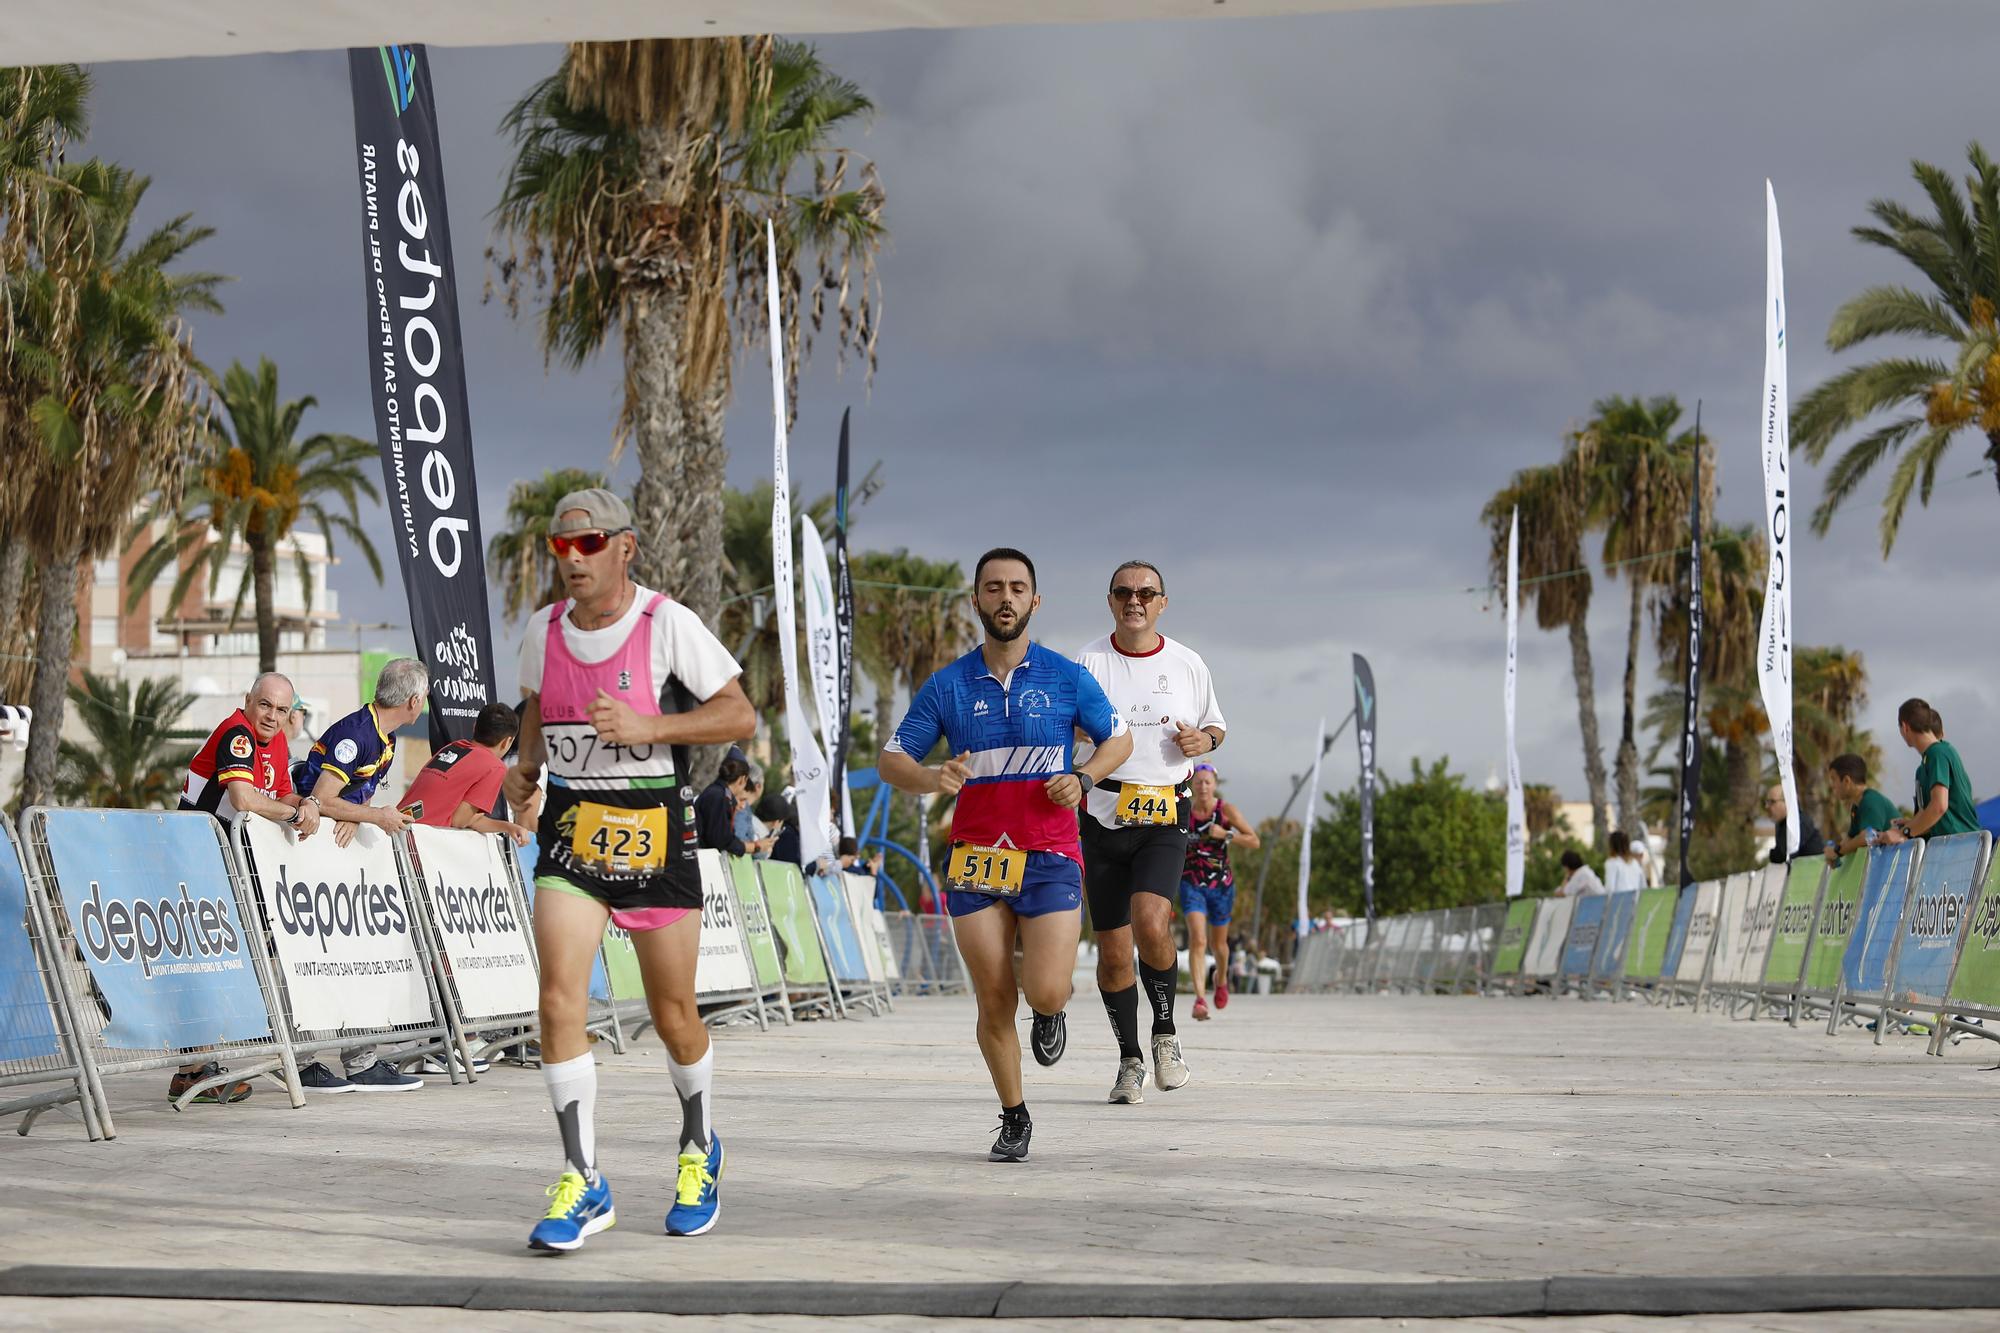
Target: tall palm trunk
(14,674)
(264,587)
(885,715)
(55,636)
(1627,768)
(658,431)
(1586,717)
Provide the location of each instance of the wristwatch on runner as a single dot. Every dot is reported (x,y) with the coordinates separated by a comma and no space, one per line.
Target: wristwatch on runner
(1089,783)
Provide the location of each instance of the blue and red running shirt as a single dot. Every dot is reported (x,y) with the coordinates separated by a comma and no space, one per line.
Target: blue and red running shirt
(1020,733)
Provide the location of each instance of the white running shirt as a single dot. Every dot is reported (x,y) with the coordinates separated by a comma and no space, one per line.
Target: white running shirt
(1169,684)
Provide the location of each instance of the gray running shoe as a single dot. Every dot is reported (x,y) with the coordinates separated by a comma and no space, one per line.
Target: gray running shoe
(1131,1085)
(1169,1070)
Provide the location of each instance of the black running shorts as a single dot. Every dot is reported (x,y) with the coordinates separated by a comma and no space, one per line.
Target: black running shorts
(1119,862)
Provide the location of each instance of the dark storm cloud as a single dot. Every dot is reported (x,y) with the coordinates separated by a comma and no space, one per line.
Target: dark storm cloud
(1276,303)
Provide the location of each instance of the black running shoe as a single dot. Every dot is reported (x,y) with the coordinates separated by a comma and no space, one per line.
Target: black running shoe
(1012,1145)
(1049,1036)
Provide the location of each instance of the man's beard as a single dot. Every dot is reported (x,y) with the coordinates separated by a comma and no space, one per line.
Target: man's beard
(1009,635)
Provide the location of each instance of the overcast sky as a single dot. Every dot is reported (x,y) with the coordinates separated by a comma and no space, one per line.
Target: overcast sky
(1274,303)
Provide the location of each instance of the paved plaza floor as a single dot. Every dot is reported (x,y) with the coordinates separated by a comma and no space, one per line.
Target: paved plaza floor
(1324,1140)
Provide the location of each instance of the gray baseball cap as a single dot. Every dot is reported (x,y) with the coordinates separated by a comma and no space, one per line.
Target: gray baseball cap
(602,511)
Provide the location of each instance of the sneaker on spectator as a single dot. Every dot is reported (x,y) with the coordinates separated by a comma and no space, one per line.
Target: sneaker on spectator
(220,1094)
(382,1077)
(434,1064)
(317,1077)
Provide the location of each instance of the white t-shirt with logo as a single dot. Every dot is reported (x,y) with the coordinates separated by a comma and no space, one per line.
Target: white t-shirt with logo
(683,647)
(1171,684)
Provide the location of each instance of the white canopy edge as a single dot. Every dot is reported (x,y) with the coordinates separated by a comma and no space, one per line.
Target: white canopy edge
(49,31)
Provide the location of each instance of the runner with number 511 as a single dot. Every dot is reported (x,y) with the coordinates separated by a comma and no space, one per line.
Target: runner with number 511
(1009,710)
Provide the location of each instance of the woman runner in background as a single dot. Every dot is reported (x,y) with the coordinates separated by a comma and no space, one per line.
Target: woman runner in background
(1208,886)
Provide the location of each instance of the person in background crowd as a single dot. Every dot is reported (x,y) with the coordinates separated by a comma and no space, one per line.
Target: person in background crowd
(1810,841)
(1873,812)
(298,740)
(715,810)
(344,769)
(461,783)
(1582,881)
(593,668)
(1208,885)
(1944,789)
(786,847)
(752,833)
(1624,869)
(850,860)
(244,767)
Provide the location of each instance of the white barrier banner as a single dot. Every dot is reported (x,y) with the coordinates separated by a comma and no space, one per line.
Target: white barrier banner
(1732,926)
(1545,942)
(1700,931)
(1758,917)
(723,967)
(342,924)
(869,925)
(479,927)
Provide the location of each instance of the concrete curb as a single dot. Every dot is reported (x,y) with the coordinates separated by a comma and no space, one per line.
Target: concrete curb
(1020,1300)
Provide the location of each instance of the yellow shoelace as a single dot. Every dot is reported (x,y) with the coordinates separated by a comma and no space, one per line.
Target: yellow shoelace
(694,1178)
(566,1192)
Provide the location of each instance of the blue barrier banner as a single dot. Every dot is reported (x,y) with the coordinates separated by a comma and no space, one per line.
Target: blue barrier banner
(149,898)
(836,923)
(27,1023)
(1937,912)
(1677,935)
(1864,968)
(1584,928)
(1613,935)
(600,984)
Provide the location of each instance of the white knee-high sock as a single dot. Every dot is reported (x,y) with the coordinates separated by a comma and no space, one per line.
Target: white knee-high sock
(573,1094)
(692,1082)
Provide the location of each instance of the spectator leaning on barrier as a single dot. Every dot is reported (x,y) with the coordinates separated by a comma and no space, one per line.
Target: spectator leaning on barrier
(1944,790)
(346,765)
(1873,812)
(715,810)
(746,825)
(1624,869)
(244,767)
(849,857)
(461,783)
(1810,841)
(786,846)
(1582,881)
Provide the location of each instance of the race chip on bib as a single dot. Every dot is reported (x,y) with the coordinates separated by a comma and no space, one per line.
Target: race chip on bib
(994,871)
(1140,805)
(619,840)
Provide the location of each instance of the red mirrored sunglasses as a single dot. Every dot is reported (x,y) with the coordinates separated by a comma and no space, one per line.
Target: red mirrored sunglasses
(589,543)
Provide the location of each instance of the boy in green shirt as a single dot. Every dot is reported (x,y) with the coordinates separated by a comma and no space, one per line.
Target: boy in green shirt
(1873,812)
(1944,789)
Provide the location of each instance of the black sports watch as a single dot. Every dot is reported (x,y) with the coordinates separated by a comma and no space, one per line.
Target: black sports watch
(1214,741)
(1089,783)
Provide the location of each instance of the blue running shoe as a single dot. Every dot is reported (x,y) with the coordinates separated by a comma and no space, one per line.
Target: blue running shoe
(697,1199)
(579,1211)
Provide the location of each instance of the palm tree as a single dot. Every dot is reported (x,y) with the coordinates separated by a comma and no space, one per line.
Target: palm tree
(1957,250)
(42,108)
(1829,696)
(134,761)
(517,557)
(258,480)
(642,174)
(912,616)
(1636,472)
(1555,578)
(104,366)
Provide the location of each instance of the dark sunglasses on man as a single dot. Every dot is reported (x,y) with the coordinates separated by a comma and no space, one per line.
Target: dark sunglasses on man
(589,543)
(1145,595)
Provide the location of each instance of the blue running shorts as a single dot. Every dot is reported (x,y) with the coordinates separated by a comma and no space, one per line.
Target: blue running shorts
(1050,883)
(1215,904)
